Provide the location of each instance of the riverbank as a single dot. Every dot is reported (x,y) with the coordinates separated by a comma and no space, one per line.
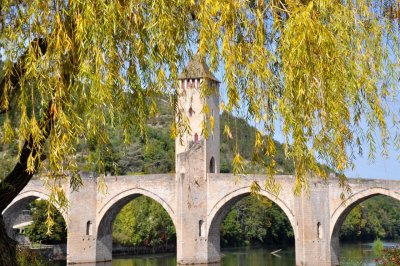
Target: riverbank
(52,252)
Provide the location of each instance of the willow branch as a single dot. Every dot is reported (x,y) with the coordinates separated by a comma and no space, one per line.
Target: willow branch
(39,46)
(19,177)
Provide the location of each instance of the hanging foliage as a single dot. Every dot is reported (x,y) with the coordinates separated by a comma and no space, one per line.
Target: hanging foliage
(317,70)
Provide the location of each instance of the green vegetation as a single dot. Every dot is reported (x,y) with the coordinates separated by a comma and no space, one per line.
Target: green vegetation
(27,257)
(378,247)
(258,222)
(8,158)
(156,154)
(252,221)
(389,257)
(143,222)
(38,231)
(378,217)
(243,137)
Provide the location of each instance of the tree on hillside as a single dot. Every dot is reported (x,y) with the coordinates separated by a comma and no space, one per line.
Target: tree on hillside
(73,69)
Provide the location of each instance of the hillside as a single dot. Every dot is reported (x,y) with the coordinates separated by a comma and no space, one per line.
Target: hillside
(157,154)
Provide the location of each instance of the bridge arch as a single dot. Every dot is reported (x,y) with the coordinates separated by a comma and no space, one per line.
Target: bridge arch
(223,206)
(109,211)
(340,213)
(21,202)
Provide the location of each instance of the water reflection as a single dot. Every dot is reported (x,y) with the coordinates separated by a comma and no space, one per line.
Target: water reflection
(168,259)
(350,254)
(232,256)
(354,254)
(107,263)
(258,256)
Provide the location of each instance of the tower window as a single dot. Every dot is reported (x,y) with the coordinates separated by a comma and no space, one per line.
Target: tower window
(89,228)
(191,111)
(212,165)
(202,229)
(190,84)
(319,230)
(196,138)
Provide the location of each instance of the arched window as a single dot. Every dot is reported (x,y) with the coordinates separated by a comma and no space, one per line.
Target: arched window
(191,111)
(201,230)
(89,228)
(319,230)
(212,165)
(196,138)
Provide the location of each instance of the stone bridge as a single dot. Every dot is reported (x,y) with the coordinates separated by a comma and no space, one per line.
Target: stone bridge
(197,196)
(316,218)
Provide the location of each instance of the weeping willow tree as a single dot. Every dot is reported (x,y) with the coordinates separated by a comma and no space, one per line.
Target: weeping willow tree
(317,70)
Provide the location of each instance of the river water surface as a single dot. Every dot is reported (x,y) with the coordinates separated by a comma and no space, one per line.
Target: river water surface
(350,255)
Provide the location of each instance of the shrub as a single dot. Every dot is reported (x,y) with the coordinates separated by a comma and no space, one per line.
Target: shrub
(378,247)
(27,257)
(390,257)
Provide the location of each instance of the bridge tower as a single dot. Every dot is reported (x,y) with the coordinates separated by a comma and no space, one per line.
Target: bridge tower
(198,101)
(197,155)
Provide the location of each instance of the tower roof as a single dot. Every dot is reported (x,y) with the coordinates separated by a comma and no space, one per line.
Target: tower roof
(197,68)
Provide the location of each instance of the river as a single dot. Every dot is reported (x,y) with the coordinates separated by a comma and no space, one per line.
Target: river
(350,254)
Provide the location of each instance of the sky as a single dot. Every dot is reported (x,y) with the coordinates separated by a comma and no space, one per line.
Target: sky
(380,168)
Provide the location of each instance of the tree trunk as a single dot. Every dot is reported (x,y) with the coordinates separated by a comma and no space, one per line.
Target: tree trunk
(7,247)
(15,182)
(19,177)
